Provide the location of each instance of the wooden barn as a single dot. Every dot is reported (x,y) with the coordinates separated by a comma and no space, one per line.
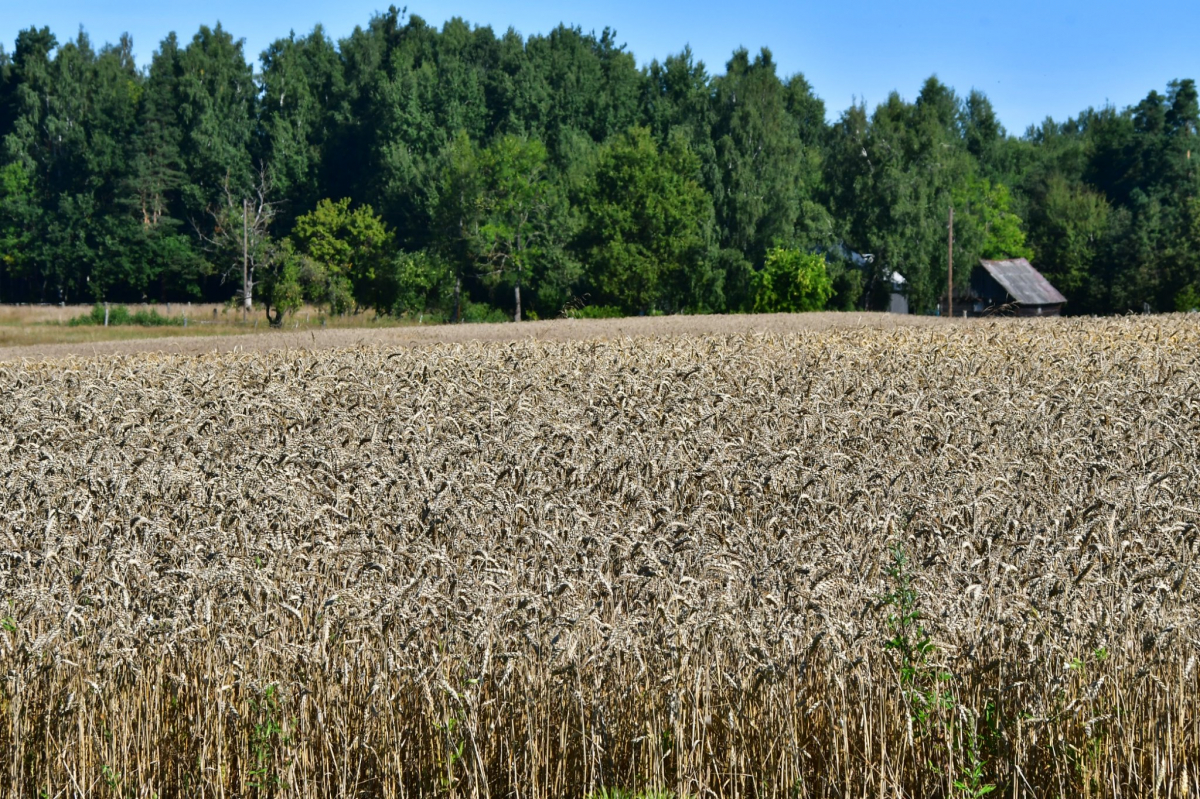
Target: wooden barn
(1011,287)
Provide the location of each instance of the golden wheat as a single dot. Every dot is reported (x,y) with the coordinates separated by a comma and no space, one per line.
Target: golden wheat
(909,562)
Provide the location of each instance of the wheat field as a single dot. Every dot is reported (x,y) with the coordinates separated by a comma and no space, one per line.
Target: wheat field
(913,562)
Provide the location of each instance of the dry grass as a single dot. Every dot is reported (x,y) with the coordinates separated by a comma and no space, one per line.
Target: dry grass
(908,562)
(43,329)
(200,313)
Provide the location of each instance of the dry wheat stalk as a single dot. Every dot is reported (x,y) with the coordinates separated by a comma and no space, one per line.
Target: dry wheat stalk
(535,569)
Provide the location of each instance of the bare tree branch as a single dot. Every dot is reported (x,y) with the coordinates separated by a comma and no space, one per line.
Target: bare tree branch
(240,232)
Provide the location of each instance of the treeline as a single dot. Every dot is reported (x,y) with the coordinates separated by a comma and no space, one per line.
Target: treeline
(456,173)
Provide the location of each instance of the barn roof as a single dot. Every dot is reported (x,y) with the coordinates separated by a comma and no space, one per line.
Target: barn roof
(1024,283)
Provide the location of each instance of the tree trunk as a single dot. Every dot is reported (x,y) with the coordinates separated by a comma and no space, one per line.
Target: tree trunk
(247,290)
(457,299)
(517,290)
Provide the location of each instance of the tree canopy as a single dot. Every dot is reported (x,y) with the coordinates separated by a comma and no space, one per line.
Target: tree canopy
(459,173)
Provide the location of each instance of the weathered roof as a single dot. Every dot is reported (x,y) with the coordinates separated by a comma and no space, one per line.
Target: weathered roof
(1023,283)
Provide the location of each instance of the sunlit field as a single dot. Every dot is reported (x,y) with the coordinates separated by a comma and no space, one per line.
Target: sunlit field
(937,560)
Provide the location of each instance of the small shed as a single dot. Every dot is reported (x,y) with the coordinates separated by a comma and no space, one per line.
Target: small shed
(1011,286)
(898,297)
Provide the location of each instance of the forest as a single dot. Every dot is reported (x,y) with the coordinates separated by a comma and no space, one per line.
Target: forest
(457,174)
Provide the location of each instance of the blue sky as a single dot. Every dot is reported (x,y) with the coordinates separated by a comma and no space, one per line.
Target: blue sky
(1033,59)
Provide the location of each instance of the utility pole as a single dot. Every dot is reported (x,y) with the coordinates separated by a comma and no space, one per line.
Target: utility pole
(245,261)
(517,290)
(950,273)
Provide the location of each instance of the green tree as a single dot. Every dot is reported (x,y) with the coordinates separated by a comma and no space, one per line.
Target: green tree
(503,222)
(1184,259)
(409,90)
(767,141)
(984,223)
(579,81)
(982,132)
(1140,160)
(422,283)
(7,89)
(283,274)
(18,220)
(303,86)
(678,101)
(647,223)
(216,103)
(516,196)
(75,115)
(894,177)
(791,281)
(456,216)
(126,175)
(1067,233)
(152,188)
(349,246)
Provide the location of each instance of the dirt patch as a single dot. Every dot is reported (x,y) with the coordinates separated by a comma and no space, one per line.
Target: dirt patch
(554,330)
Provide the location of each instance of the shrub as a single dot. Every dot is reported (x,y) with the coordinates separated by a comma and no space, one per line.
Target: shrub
(1188,299)
(594,312)
(791,281)
(482,312)
(120,315)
